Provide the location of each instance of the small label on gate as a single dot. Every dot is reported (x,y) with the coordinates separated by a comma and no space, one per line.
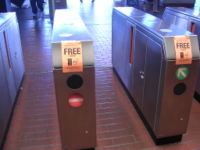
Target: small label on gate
(183,50)
(72,57)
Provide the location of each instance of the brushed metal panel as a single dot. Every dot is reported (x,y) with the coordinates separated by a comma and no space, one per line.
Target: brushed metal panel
(76,124)
(181,21)
(152,80)
(155,54)
(118,43)
(126,62)
(168,17)
(4,18)
(8,69)
(175,109)
(68,26)
(5,101)
(192,12)
(123,49)
(14,43)
(139,57)
(131,12)
(178,19)
(193,17)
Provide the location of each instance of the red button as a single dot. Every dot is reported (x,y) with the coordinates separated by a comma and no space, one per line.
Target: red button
(75,100)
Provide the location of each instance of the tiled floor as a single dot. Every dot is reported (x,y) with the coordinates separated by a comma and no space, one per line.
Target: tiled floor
(35,126)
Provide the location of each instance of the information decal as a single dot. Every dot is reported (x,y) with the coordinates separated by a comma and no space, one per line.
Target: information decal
(183,50)
(182,72)
(72,57)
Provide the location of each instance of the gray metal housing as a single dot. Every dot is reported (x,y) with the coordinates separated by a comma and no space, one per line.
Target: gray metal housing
(149,75)
(185,18)
(76,124)
(70,29)
(11,68)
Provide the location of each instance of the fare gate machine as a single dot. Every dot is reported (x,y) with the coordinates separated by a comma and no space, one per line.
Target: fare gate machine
(158,67)
(74,78)
(188,18)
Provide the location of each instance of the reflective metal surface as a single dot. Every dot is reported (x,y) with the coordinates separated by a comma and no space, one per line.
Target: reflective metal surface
(11,68)
(76,124)
(70,29)
(17,60)
(150,77)
(5,101)
(4,17)
(185,18)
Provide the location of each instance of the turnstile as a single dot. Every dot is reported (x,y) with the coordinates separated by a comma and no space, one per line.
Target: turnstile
(189,19)
(156,69)
(74,78)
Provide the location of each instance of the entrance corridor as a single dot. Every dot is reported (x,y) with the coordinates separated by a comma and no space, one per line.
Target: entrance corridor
(34,124)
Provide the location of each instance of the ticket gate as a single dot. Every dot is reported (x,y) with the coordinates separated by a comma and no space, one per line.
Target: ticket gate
(189,19)
(159,77)
(74,79)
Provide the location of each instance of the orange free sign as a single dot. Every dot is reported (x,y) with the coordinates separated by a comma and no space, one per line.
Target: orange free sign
(183,50)
(72,58)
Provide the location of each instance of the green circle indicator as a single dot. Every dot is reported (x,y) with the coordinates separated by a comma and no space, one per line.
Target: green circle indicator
(182,72)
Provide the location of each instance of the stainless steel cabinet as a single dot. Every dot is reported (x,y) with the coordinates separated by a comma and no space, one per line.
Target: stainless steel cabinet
(139,63)
(5,101)
(185,18)
(152,76)
(14,43)
(6,57)
(11,68)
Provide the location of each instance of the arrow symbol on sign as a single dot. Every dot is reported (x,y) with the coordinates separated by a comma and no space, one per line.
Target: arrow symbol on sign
(181,71)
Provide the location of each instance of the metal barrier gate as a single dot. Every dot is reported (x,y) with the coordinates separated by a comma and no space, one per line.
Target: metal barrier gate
(74,78)
(158,67)
(188,19)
